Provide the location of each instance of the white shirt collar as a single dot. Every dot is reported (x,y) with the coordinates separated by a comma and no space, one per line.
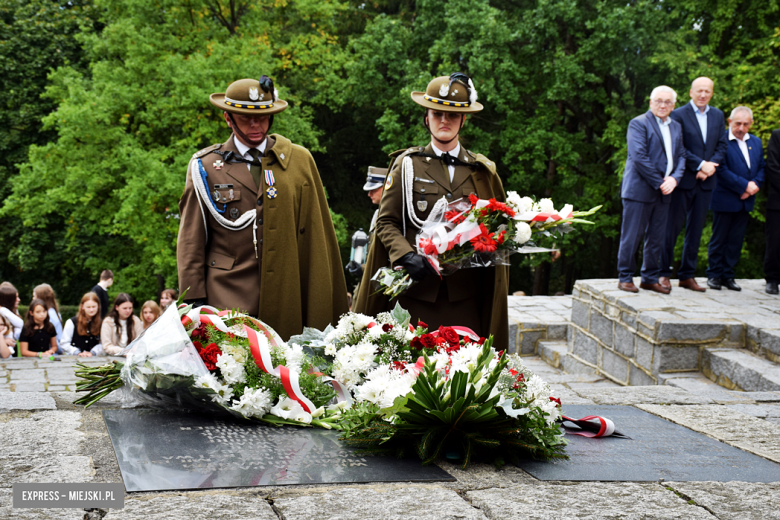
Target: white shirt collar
(662,123)
(455,152)
(733,137)
(699,112)
(243,149)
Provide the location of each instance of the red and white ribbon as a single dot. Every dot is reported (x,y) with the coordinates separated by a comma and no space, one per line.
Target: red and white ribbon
(606,428)
(260,342)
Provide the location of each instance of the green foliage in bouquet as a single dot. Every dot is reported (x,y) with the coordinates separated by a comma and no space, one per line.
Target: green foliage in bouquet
(460,414)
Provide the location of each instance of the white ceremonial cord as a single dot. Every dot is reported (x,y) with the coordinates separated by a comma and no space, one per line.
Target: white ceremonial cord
(200,188)
(407,181)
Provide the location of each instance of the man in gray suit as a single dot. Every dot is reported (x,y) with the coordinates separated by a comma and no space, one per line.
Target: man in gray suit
(654,167)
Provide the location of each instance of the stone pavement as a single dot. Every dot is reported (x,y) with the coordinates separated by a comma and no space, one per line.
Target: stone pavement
(48,439)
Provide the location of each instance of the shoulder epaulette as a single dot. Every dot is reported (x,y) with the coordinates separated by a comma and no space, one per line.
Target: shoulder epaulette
(206,151)
(484,161)
(413,149)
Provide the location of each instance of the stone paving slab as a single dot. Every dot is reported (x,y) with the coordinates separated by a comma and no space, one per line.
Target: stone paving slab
(591,500)
(26,401)
(404,502)
(632,395)
(223,504)
(740,430)
(733,500)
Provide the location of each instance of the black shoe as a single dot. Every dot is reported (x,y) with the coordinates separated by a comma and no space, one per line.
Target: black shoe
(771,288)
(731,285)
(714,283)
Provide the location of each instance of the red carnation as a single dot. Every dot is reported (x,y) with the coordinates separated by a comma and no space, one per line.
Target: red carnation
(481,341)
(387,327)
(501,237)
(209,355)
(426,341)
(473,199)
(398,365)
(421,323)
(494,205)
(199,332)
(453,348)
(449,334)
(558,401)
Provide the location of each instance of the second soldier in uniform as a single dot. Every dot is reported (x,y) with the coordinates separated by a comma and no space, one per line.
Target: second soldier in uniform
(475,297)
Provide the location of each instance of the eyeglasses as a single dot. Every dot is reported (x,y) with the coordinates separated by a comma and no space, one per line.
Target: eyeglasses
(664,102)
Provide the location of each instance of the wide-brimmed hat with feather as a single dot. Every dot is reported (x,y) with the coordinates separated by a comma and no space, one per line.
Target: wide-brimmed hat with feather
(250,97)
(453,93)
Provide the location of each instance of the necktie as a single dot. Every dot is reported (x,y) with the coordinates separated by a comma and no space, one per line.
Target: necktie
(451,160)
(255,168)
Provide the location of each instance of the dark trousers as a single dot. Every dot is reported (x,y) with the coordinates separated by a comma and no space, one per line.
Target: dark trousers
(772,256)
(648,219)
(728,235)
(688,207)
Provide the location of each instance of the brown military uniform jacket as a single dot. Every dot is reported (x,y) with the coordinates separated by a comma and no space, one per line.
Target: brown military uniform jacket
(296,280)
(475,297)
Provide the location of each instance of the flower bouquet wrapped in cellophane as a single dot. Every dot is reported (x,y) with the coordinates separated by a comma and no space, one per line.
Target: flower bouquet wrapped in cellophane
(480,233)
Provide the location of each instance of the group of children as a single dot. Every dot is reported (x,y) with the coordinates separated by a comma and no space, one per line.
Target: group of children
(42,334)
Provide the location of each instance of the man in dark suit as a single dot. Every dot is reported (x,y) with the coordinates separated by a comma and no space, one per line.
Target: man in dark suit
(772,226)
(738,180)
(654,167)
(705,142)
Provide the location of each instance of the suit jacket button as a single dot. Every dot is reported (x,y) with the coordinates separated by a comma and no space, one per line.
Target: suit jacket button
(259,202)
(213,262)
(449,195)
(259,222)
(302,230)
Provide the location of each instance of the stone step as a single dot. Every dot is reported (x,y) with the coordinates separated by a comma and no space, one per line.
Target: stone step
(553,352)
(739,369)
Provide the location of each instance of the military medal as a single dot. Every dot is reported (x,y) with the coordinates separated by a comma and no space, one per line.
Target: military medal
(218,164)
(270,181)
(422,205)
(234,213)
(217,196)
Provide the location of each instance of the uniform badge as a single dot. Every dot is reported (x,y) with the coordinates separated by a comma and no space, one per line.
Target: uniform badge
(422,205)
(271,192)
(253,95)
(389,182)
(234,213)
(217,195)
(281,156)
(218,164)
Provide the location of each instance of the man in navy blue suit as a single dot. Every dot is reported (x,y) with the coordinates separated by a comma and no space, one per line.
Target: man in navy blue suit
(705,142)
(654,167)
(739,178)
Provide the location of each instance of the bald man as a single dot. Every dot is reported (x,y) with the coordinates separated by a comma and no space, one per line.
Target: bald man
(704,139)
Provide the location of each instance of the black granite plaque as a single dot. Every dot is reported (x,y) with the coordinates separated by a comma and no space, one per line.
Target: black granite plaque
(657,449)
(159,450)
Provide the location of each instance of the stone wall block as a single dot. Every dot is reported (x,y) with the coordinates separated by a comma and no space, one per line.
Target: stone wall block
(614,365)
(628,318)
(644,353)
(625,340)
(580,314)
(638,377)
(586,348)
(690,330)
(512,348)
(527,341)
(770,341)
(612,311)
(601,327)
(557,331)
(675,358)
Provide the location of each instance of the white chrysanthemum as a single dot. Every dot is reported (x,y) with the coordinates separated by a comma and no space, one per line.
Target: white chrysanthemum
(223,392)
(375,331)
(286,408)
(546,206)
(536,388)
(254,402)
(523,232)
(550,408)
(330,349)
(294,357)
(238,352)
(465,359)
(231,370)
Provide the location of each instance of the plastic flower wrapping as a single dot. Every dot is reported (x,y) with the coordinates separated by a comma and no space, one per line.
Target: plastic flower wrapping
(366,376)
(481,233)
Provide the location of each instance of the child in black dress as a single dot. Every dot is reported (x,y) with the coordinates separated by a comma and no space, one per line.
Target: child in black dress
(38,338)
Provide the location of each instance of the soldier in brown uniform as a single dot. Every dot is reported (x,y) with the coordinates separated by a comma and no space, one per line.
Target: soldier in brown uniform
(474,297)
(256,233)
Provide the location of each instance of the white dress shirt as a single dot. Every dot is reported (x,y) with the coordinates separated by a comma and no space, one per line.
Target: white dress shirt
(667,135)
(701,117)
(244,149)
(455,152)
(742,143)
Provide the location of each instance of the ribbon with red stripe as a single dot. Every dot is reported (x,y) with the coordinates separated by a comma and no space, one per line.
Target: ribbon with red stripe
(592,426)
(260,342)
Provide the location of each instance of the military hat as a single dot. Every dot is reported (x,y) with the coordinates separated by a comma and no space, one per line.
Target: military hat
(375,179)
(250,97)
(453,93)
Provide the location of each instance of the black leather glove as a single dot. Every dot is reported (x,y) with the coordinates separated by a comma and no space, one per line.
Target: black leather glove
(354,268)
(418,266)
(195,303)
